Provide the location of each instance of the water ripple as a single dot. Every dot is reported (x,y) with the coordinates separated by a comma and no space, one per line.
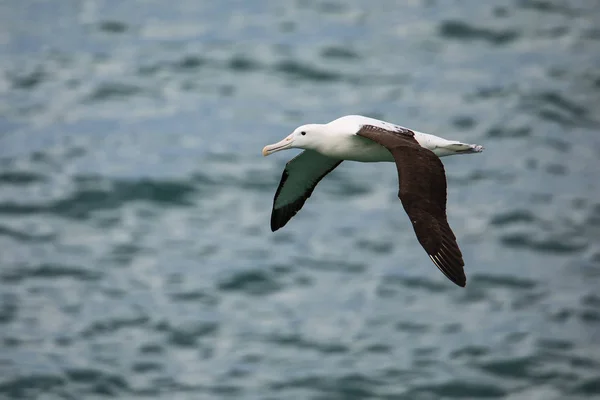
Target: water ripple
(21,178)
(508,282)
(464,31)
(461,389)
(297,70)
(112,26)
(94,194)
(26,386)
(47,271)
(111,91)
(187,335)
(555,107)
(255,282)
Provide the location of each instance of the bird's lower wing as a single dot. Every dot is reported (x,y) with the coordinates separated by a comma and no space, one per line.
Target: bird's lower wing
(299,179)
(422,190)
(423,195)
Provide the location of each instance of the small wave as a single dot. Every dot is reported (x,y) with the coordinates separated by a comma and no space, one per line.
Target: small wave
(195,296)
(330,265)
(188,334)
(412,327)
(21,178)
(390,282)
(97,381)
(254,282)
(91,375)
(299,342)
(298,70)
(509,131)
(242,64)
(193,63)
(590,316)
(554,344)
(8,307)
(111,91)
(547,6)
(377,247)
(151,348)
(556,107)
(27,386)
(463,31)
(28,80)
(112,325)
(93,194)
(491,92)
(460,389)
(341,53)
(190,63)
(112,26)
(377,348)
(464,122)
(590,386)
(23,236)
(513,217)
(345,189)
(48,271)
(482,175)
(591,300)
(470,352)
(123,254)
(562,234)
(347,387)
(517,367)
(593,217)
(507,282)
(142,367)
(557,169)
(557,243)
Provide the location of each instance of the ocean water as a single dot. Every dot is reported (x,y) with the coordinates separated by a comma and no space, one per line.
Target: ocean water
(136,259)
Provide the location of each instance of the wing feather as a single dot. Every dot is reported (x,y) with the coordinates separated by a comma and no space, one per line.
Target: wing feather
(422,190)
(298,180)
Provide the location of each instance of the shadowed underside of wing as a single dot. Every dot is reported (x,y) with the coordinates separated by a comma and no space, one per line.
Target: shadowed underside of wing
(422,182)
(299,178)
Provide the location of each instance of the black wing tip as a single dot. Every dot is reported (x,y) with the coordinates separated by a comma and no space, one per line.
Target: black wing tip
(451,267)
(462,282)
(276,224)
(280,217)
(458,280)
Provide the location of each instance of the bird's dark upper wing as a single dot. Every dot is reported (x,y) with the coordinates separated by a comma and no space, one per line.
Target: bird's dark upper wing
(299,178)
(422,182)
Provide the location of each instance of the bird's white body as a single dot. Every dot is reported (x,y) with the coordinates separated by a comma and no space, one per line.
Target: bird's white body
(338,139)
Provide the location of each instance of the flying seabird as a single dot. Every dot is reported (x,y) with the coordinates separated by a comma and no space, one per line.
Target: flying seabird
(421,176)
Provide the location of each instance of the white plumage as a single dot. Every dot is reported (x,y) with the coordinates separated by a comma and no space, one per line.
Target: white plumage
(338,139)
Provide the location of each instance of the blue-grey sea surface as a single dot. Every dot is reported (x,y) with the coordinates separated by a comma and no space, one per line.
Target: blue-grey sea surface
(136,258)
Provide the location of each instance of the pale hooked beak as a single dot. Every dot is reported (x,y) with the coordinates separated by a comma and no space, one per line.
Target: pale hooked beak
(272,148)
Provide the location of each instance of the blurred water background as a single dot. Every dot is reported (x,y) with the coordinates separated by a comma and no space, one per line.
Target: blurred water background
(136,259)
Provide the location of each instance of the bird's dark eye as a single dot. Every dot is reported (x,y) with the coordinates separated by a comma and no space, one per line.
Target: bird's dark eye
(303,133)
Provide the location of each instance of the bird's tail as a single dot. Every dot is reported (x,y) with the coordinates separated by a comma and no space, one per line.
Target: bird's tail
(464,148)
(451,148)
(442,147)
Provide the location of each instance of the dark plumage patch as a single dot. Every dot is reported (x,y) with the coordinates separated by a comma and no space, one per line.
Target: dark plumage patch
(281,216)
(422,190)
(377,129)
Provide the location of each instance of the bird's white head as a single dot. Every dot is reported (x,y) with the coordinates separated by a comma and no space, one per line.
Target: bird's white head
(304,137)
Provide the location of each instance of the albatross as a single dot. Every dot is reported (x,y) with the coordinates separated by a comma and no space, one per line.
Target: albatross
(421,176)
